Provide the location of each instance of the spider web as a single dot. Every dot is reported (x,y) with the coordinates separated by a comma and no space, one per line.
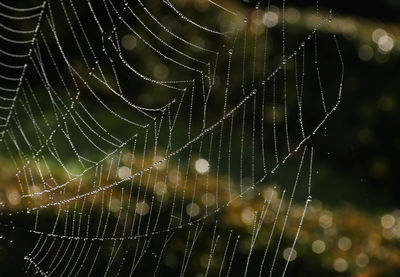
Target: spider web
(131,141)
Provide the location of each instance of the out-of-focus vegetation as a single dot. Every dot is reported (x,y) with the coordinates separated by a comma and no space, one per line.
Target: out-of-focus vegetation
(333,239)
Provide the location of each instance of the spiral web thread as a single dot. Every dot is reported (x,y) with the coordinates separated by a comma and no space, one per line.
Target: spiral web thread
(116,198)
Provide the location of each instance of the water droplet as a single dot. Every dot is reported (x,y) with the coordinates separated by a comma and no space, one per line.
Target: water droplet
(245,19)
(309,37)
(284,61)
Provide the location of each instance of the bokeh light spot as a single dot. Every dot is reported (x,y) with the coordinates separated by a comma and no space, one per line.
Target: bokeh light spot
(388,221)
(318,246)
(340,265)
(128,42)
(202,166)
(289,254)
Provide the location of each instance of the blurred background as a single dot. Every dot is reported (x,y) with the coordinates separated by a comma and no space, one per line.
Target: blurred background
(352,227)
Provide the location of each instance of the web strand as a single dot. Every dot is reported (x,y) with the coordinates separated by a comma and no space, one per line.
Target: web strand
(128,135)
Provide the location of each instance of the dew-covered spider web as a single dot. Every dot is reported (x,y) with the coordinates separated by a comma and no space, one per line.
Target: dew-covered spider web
(141,137)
